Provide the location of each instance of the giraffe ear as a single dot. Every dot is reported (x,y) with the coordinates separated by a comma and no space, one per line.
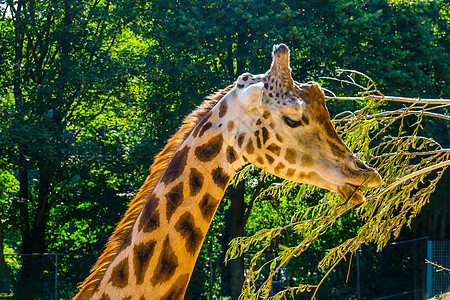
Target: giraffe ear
(252,96)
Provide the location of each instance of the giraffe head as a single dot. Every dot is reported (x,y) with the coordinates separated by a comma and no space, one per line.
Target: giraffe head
(286,130)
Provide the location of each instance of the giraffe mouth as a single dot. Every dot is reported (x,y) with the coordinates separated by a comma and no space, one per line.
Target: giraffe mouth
(351,193)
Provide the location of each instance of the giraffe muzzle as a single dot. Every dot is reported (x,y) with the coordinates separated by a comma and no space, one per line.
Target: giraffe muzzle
(352,192)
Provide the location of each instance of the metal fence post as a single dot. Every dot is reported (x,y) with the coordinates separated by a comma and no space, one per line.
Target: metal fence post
(429,280)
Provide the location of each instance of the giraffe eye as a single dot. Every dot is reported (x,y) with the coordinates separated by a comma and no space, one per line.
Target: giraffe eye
(291,123)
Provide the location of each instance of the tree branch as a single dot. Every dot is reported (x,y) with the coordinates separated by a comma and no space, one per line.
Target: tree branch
(440,165)
(393,98)
(410,112)
(249,207)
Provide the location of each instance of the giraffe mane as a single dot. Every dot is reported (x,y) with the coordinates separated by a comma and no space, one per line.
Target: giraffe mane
(157,169)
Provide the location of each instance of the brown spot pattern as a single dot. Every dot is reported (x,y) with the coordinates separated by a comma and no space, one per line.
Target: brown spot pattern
(105,297)
(274,148)
(211,149)
(241,139)
(265,135)
(260,160)
(126,241)
(192,234)
(119,275)
(127,298)
(205,128)
(249,148)
(279,138)
(231,154)
(290,172)
(291,156)
(150,216)
(220,177)
(178,289)
(174,199)
(195,181)
(223,108)
(230,125)
(307,160)
(176,165)
(208,206)
(142,254)
(266,114)
(258,140)
(270,159)
(279,167)
(167,264)
(302,175)
(200,124)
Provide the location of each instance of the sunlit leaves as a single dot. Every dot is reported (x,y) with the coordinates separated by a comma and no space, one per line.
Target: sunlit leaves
(410,163)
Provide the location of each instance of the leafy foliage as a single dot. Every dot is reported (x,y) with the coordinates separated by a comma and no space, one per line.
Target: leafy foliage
(410,164)
(91,90)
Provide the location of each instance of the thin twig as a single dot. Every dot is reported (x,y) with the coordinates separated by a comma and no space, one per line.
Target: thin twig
(392,98)
(412,153)
(340,71)
(440,165)
(326,275)
(440,268)
(411,112)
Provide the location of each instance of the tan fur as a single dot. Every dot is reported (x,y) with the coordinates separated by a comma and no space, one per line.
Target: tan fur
(305,149)
(157,169)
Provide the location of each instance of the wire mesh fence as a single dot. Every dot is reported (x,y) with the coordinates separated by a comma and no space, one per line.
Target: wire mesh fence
(438,274)
(43,276)
(398,272)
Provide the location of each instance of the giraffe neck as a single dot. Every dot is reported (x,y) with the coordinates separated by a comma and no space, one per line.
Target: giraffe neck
(275,123)
(157,258)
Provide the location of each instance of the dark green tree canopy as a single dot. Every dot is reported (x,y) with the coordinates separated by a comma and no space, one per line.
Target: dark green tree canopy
(91,90)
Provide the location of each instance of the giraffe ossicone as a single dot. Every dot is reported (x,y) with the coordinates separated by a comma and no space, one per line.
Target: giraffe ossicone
(269,120)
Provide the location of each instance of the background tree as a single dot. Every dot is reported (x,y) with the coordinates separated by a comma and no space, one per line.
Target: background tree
(206,45)
(90,91)
(66,82)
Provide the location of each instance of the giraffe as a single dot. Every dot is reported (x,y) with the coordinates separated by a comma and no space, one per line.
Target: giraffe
(268,120)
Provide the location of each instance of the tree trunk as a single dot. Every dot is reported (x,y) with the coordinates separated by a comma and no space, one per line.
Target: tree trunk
(241,51)
(4,268)
(230,61)
(33,239)
(237,211)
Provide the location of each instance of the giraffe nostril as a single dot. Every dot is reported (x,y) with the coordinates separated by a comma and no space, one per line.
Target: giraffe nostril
(360,164)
